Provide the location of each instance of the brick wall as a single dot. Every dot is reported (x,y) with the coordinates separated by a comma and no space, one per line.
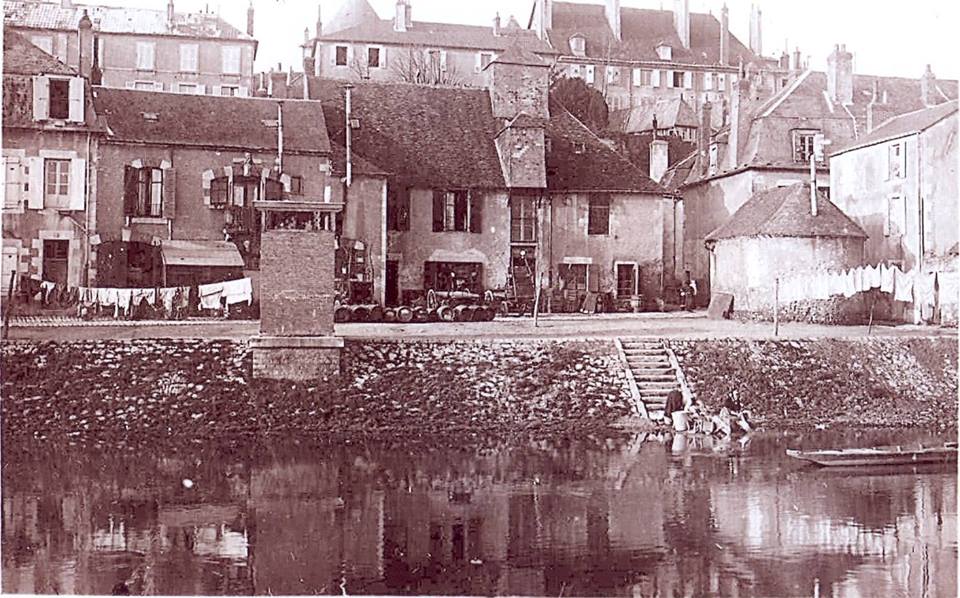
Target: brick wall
(296,283)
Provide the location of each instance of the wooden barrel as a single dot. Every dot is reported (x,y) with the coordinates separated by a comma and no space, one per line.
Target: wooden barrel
(420,315)
(389,315)
(359,313)
(463,313)
(483,314)
(342,314)
(375,313)
(432,315)
(404,314)
(445,313)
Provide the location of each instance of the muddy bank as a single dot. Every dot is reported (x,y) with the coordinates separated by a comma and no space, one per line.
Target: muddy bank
(147,391)
(882,382)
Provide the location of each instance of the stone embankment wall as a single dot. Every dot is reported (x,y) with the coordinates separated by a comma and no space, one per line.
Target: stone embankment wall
(853,382)
(193,391)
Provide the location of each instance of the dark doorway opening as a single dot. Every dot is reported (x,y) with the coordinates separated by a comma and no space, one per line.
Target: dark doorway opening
(393,283)
(55,259)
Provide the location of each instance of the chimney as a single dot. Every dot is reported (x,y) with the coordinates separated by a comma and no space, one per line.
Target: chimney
(840,75)
(681,21)
(785,61)
(96,73)
(319,20)
(250,19)
(703,136)
(724,35)
(85,38)
(739,120)
(928,83)
(309,64)
(612,10)
(400,16)
(545,16)
(170,14)
(496,25)
(659,158)
(797,65)
(756,39)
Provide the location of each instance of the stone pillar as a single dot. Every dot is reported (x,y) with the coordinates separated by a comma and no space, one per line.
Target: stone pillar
(296,339)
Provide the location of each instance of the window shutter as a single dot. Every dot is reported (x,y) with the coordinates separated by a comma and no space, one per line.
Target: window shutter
(129,190)
(655,78)
(890,158)
(443,60)
(478,63)
(244,92)
(35,197)
(41,97)
(206,180)
(669,78)
(285,180)
(217,90)
(78,184)
(169,203)
(476,212)
(333,54)
(688,80)
(76,100)
(13,185)
(637,78)
(708,81)
(437,211)
(903,160)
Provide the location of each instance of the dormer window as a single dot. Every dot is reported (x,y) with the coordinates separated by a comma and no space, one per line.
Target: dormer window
(58,98)
(579,147)
(578,45)
(664,52)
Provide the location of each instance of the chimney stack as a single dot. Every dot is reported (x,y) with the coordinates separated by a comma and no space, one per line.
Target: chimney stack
(612,10)
(785,61)
(545,17)
(496,25)
(928,83)
(85,38)
(681,21)
(401,18)
(840,75)
(250,19)
(724,35)
(756,37)
(797,64)
(170,14)
(319,20)
(659,158)
(703,136)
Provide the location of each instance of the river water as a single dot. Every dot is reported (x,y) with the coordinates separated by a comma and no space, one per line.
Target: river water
(636,516)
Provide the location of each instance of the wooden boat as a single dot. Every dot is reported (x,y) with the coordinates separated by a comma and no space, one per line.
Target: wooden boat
(881,455)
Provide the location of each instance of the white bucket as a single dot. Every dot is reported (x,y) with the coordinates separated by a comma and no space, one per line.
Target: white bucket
(680,421)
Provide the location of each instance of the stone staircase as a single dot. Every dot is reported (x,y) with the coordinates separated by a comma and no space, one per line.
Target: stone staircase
(652,371)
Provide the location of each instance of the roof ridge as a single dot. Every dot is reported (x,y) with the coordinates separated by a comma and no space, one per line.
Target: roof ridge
(778,99)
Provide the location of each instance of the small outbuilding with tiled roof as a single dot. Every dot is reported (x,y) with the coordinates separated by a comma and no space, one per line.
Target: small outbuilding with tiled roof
(782,232)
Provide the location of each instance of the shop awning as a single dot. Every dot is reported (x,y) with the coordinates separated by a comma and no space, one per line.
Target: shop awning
(200,254)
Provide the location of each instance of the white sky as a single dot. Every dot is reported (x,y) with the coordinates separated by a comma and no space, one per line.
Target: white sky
(886,37)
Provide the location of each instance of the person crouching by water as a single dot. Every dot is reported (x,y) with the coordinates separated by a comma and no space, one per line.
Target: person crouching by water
(732,413)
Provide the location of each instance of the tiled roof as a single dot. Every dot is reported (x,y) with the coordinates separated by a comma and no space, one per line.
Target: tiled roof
(426,136)
(669,112)
(905,124)
(439,35)
(21,57)
(785,212)
(596,168)
(37,14)
(641,31)
(228,122)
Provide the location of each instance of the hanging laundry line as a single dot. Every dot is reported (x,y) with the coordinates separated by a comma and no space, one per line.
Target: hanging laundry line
(920,288)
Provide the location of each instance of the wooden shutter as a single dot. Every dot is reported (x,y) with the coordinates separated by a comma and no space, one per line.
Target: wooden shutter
(438,211)
(669,78)
(169,198)
(13,185)
(593,278)
(655,78)
(35,198)
(76,100)
(688,80)
(478,62)
(903,159)
(285,181)
(78,184)
(476,212)
(443,60)
(403,209)
(41,97)
(206,180)
(130,190)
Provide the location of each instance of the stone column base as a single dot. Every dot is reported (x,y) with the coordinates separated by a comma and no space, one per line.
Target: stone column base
(296,357)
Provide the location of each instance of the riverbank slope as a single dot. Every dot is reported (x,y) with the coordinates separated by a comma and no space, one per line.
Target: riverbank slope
(194,390)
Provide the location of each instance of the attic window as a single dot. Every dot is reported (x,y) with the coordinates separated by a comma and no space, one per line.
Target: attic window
(664,52)
(578,45)
(270,124)
(151,116)
(579,147)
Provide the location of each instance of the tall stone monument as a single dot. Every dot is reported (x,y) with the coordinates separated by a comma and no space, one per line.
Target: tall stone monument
(296,340)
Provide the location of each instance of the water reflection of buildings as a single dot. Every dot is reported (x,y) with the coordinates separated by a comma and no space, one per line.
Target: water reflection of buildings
(544,521)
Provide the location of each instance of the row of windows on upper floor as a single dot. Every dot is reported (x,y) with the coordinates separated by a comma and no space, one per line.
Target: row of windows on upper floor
(230,56)
(374,57)
(642,77)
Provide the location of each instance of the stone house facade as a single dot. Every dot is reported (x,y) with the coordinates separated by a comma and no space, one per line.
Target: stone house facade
(142,48)
(50,139)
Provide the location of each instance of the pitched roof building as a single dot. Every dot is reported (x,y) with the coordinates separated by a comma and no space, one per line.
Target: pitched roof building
(149,49)
(358,44)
